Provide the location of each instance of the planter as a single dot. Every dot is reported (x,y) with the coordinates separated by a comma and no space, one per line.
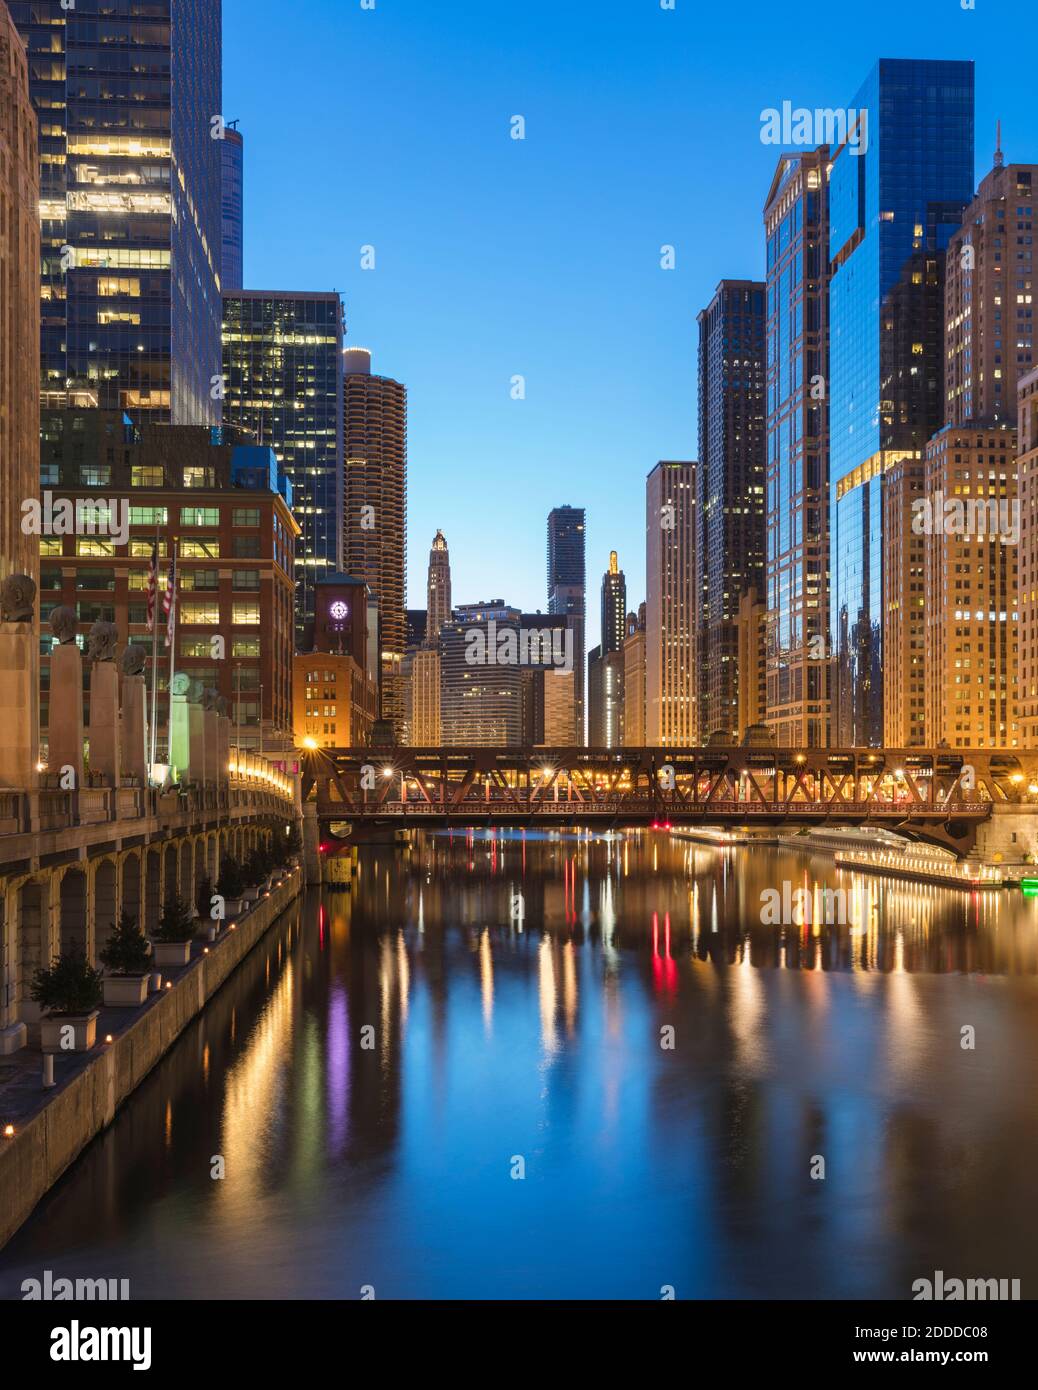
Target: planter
(154,982)
(55,1037)
(171,952)
(251,895)
(231,907)
(125,991)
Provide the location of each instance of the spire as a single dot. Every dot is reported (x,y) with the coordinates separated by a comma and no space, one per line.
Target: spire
(999,156)
(613,566)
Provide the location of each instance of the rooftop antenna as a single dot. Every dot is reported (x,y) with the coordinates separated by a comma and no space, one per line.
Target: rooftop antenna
(999,156)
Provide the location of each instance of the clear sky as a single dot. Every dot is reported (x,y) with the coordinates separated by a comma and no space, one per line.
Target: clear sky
(541,257)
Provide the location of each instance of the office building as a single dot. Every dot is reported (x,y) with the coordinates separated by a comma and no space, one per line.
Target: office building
(129,204)
(374,517)
(567,579)
(228,508)
(896,195)
(730,476)
(634,680)
(752,628)
(605,683)
(335,696)
(904,627)
(614,606)
(481,698)
(232,208)
(438,587)
(796,583)
(282,364)
(1027,476)
(671,713)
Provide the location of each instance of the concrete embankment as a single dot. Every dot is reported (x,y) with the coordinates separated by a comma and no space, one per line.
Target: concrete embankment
(85,1100)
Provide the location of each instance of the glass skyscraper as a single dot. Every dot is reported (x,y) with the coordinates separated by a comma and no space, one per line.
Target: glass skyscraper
(895,197)
(282,365)
(567,579)
(232,153)
(125,96)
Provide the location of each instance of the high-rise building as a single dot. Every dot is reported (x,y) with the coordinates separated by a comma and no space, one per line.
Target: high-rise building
(334,695)
(282,365)
(634,680)
(605,685)
(438,587)
(567,578)
(671,714)
(422,697)
(970,519)
(129,203)
(614,606)
(752,624)
(896,194)
(374,518)
(19,373)
(1027,465)
(988,323)
(730,475)
(232,208)
(481,698)
(796,592)
(904,626)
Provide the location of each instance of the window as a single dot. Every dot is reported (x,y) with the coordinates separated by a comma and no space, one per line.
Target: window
(195,612)
(205,548)
(247,711)
(94,546)
(245,646)
(200,477)
(148,516)
(245,611)
(49,474)
(50,577)
(245,516)
(141,549)
(50,545)
(200,579)
(146,475)
(95,579)
(199,516)
(246,547)
(137,614)
(137,579)
(94,475)
(95,612)
(195,646)
(246,579)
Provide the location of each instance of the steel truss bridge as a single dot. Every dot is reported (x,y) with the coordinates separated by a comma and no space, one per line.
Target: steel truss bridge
(938,796)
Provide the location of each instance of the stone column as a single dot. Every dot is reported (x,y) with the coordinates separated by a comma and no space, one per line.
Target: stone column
(104,702)
(65,727)
(196,733)
(180,744)
(223,744)
(312,868)
(211,720)
(135,754)
(19,681)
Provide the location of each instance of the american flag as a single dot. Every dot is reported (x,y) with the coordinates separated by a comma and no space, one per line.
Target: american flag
(153,584)
(169,598)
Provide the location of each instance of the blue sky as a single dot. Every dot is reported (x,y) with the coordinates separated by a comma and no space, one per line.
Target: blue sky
(541,257)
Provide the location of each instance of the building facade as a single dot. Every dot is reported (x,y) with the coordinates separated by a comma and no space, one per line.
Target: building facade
(989,284)
(730,476)
(634,680)
(614,606)
(671,708)
(1027,475)
(374,516)
(129,204)
(232,208)
(567,594)
(753,665)
(227,510)
(904,619)
(605,674)
(796,591)
(335,696)
(896,194)
(438,587)
(481,695)
(282,377)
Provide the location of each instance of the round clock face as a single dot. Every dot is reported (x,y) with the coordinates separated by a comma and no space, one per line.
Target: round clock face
(338,610)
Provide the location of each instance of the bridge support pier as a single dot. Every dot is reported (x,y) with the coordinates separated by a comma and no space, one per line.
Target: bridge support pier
(1009,836)
(311,843)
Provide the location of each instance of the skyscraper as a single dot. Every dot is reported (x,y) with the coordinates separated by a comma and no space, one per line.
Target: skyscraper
(480,699)
(988,320)
(282,365)
(634,680)
(374,518)
(232,207)
(796,223)
(730,512)
(896,195)
(129,203)
(671,715)
(614,606)
(1027,463)
(438,587)
(567,577)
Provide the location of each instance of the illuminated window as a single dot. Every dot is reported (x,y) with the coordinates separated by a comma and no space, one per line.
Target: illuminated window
(50,545)
(245,646)
(196,612)
(148,516)
(141,550)
(95,546)
(245,612)
(199,516)
(195,476)
(205,548)
(146,475)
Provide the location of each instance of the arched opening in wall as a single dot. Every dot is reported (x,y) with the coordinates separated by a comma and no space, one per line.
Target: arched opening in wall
(74,912)
(169,875)
(32,944)
(153,891)
(132,886)
(212,858)
(187,871)
(105,916)
(201,867)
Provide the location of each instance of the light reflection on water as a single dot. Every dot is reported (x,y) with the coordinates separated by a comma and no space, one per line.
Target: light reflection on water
(375,1069)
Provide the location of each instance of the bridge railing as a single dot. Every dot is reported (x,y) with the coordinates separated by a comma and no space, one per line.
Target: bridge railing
(519,805)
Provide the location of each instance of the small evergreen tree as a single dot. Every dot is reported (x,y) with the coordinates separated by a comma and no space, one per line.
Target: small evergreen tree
(204,898)
(176,923)
(69,986)
(127,950)
(229,884)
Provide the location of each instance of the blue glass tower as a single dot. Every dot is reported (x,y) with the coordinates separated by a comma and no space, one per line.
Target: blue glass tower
(896,196)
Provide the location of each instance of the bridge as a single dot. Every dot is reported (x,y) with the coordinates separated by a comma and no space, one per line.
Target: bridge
(939,796)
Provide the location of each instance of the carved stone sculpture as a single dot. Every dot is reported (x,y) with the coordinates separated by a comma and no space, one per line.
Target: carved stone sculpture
(133,660)
(101,641)
(63,623)
(17,595)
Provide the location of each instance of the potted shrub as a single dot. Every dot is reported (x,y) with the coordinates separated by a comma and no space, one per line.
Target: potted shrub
(254,874)
(127,960)
(230,886)
(69,993)
(172,941)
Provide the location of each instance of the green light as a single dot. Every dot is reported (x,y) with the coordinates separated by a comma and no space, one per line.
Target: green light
(1029,887)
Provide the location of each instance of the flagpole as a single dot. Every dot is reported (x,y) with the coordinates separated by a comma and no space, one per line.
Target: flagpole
(154,579)
(172,634)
